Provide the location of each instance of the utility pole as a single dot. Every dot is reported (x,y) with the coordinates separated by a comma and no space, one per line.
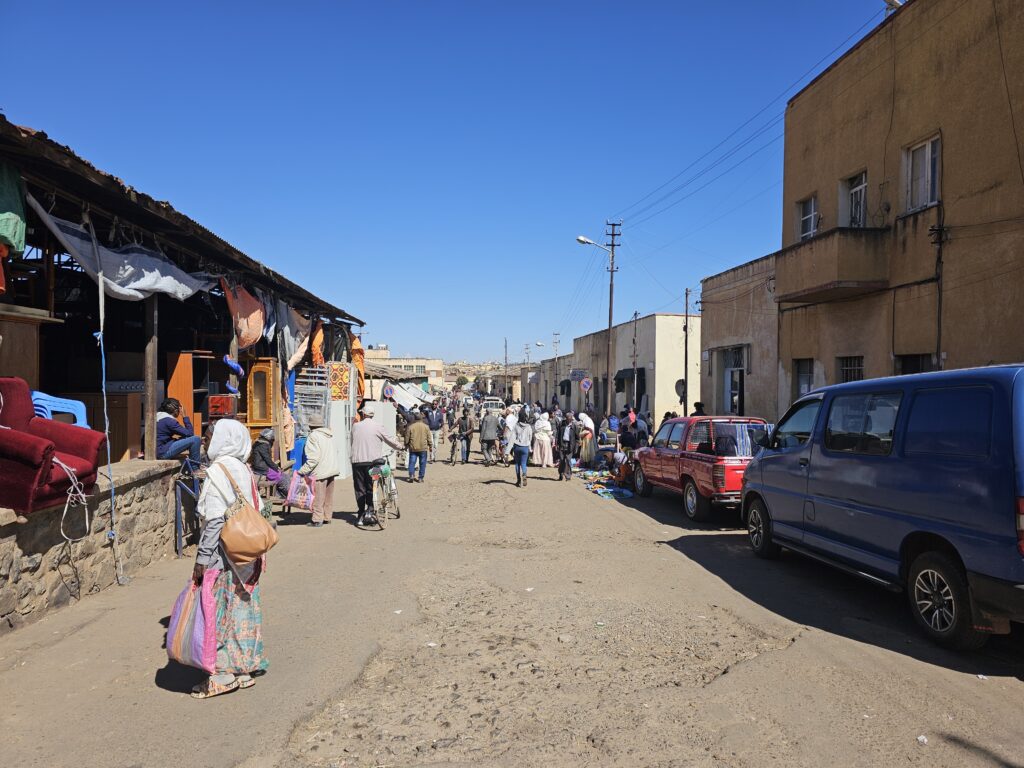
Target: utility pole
(526,384)
(507,393)
(635,404)
(686,353)
(554,343)
(612,233)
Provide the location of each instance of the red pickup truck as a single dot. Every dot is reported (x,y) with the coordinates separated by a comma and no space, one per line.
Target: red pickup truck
(702,457)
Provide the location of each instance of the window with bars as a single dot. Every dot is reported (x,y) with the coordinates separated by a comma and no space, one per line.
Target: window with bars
(906,364)
(803,377)
(857,192)
(699,433)
(808,217)
(850,369)
(732,357)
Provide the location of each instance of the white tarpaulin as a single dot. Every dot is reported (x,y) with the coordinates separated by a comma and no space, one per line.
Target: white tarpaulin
(416,392)
(131,272)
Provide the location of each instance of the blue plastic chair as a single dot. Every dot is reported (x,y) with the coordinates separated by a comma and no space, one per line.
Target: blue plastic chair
(44,405)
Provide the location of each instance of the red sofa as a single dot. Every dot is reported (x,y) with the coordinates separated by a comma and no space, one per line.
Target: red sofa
(29,480)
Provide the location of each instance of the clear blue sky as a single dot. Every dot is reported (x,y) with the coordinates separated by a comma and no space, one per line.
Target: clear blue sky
(428,165)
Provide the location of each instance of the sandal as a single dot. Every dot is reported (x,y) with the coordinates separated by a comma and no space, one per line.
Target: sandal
(209,689)
(245,681)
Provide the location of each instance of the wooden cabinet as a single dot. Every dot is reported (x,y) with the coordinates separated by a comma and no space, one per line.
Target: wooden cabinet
(188,382)
(262,395)
(125,411)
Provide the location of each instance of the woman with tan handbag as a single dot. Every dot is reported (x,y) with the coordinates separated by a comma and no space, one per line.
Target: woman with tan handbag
(229,494)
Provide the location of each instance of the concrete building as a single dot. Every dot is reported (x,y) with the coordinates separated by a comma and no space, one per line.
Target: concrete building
(903,206)
(739,372)
(658,342)
(430,367)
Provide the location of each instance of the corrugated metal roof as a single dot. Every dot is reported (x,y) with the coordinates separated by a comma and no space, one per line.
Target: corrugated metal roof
(51,165)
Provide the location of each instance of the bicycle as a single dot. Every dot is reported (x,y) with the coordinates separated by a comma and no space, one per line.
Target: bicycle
(385,493)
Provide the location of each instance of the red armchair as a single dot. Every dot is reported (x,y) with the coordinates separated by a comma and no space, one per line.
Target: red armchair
(29,480)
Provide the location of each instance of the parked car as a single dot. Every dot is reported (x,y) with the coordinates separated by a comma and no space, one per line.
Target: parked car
(912,482)
(702,457)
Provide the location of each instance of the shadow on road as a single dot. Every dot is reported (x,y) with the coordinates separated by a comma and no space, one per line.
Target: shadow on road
(814,594)
(177,678)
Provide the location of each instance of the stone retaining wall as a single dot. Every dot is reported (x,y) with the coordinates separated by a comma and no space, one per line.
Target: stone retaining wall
(40,571)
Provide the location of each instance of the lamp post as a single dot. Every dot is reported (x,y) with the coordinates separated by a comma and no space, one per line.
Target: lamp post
(613,233)
(526,349)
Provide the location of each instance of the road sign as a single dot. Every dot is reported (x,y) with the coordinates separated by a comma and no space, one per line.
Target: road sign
(586,384)
(388,391)
(577,374)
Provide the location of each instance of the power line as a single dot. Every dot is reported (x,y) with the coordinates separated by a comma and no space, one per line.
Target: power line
(753,117)
(731,168)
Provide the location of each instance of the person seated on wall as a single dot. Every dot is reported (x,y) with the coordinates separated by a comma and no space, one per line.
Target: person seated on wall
(174,439)
(263,464)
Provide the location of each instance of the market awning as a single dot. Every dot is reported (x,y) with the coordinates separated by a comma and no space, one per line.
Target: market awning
(625,374)
(75,183)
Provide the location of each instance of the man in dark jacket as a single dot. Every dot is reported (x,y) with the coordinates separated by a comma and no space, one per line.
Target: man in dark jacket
(489,430)
(263,464)
(435,420)
(568,441)
(466,428)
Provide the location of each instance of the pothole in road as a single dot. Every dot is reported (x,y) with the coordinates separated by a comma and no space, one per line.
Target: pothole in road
(489,674)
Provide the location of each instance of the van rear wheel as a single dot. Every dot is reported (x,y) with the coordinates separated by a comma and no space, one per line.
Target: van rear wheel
(759,531)
(941,603)
(696,506)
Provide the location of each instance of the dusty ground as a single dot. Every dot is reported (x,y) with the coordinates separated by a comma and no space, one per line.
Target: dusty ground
(493,625)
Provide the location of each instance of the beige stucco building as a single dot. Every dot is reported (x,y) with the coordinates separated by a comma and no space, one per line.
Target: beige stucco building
(431,367)
(658,341)
(903,207)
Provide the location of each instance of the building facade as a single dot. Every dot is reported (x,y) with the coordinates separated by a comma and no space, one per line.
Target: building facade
(739,373)
(430,367)
(654,346)
(903,204)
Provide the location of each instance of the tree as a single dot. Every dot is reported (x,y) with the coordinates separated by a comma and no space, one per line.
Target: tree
(462,381)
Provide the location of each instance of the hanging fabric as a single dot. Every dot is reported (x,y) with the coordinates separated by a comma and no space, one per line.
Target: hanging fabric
(12,211)
(246,313)
(317,344)
(292,335)
(359,358)
(269,314)
(131,272)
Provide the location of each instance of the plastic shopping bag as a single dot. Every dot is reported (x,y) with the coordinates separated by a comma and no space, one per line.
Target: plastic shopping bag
(300,492)
(192,632)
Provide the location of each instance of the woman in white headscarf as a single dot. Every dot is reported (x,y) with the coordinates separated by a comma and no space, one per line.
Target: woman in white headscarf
(236,588)
(543,456)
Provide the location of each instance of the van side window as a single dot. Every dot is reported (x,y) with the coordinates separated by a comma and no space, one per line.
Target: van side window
(796,428)
(661,439)
(950,422)
(862,423)
(699,434)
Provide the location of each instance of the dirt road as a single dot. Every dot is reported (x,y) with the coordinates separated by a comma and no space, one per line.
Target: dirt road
(493,625)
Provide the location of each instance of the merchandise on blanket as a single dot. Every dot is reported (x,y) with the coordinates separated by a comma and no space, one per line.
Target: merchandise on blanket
(615,493)
(191,633)
(300,492)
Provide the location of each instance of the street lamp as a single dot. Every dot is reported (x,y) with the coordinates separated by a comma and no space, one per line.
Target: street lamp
(610,249)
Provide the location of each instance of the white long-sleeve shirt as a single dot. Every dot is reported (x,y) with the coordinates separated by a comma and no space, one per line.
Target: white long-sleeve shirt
(367,436)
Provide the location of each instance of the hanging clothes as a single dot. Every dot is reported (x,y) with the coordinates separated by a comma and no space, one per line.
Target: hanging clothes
(292,336)
(246,312)
(269,314)
(12,211)
(317,344)
(359,358)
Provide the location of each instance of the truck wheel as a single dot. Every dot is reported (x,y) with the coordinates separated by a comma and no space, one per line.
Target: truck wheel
(941,602)
(640,483)
(759,531)
(696,506)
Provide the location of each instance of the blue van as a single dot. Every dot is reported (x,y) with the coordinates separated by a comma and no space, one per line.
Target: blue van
(913,482)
